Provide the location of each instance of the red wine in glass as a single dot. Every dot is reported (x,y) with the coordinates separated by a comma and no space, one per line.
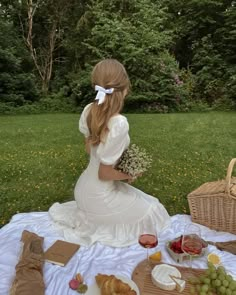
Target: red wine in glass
(148,241)
(192,245)
(191,241)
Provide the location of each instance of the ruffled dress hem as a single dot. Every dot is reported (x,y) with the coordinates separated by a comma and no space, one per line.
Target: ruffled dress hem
(77,229)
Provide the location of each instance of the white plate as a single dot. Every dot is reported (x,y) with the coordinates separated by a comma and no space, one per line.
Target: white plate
(94,290)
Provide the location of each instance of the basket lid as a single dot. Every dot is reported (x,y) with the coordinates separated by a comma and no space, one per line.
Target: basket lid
(215,187)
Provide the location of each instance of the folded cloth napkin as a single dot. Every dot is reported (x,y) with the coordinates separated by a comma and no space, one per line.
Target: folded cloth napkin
(229,246)
(29,269)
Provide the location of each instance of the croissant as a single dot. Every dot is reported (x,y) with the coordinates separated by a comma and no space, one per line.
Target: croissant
(110,285)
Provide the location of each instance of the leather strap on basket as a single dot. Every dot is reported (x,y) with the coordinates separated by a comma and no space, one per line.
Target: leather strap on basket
(228,177)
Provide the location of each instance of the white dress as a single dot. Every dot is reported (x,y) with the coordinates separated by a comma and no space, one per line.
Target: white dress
(109,212)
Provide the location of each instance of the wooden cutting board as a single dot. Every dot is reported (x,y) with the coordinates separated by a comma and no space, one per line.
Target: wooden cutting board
(146,287)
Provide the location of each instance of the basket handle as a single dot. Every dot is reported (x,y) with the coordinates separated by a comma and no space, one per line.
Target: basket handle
(229,175)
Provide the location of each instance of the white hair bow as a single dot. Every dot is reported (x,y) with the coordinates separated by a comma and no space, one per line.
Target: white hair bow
(102,93)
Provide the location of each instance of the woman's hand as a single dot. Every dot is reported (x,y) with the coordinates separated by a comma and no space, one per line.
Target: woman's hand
(133,178)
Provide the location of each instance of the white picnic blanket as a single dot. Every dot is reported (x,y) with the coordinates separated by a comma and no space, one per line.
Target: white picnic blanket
(94,259)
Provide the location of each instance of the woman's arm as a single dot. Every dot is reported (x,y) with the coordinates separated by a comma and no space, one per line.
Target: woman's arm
(107,172)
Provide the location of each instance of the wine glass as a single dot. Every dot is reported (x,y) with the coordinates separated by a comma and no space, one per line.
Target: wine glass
(148,239)
(191,241)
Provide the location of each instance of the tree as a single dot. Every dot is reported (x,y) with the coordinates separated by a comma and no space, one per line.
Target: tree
(17,81)
(193,20)
(225,36)
(137,34)
(47,18)
(205,41)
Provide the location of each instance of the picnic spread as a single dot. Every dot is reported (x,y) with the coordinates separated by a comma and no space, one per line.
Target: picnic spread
(207,248)
(125,262)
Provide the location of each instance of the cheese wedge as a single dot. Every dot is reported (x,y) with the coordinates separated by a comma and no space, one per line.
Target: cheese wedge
(180,284)
(161,276)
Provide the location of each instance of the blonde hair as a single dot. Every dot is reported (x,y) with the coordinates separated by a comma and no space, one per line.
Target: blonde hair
(108,73)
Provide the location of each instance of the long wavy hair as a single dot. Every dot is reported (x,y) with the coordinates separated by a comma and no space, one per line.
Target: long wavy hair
(108,73)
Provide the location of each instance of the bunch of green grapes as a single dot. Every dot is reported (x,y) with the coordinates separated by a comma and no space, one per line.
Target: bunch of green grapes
(213,281)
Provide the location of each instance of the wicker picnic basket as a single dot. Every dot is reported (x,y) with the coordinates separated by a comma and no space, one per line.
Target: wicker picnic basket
(213,204)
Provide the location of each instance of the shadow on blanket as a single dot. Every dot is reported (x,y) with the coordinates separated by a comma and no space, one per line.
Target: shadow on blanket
(29,269)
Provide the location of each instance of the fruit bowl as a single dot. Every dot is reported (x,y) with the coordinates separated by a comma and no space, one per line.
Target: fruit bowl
(174,249)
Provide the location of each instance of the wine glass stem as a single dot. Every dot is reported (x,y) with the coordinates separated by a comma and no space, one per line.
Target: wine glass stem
(148,258)
(191,262)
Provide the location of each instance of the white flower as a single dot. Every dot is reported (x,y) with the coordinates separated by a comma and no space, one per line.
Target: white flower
(134,161)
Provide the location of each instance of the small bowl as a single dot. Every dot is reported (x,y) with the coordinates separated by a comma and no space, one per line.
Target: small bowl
(179,257)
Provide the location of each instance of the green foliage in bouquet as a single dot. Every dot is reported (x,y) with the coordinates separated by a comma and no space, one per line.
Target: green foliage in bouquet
(134,161)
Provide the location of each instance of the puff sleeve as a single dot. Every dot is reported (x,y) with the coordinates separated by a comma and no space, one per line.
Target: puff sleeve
(116,142)
(83,127)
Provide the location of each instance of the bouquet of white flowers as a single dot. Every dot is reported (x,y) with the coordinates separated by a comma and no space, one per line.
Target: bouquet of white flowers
(134,161)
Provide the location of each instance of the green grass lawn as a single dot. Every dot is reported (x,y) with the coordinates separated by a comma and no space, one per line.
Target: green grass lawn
(42,156)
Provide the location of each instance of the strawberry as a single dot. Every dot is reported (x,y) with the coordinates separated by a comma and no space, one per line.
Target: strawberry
(175,246)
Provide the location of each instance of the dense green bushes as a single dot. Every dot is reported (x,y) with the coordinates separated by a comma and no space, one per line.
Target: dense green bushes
(45,105)
(17,82)
(180,54)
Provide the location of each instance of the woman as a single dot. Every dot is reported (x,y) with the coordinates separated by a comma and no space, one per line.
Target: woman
(105,209)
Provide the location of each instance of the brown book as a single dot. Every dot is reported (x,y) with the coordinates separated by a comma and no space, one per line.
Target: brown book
(60,252)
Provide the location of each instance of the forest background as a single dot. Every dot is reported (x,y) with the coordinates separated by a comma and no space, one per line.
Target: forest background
(180,54)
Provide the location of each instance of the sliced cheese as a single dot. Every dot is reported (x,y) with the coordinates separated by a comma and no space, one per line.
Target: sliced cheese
(180,284)
(161,276)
